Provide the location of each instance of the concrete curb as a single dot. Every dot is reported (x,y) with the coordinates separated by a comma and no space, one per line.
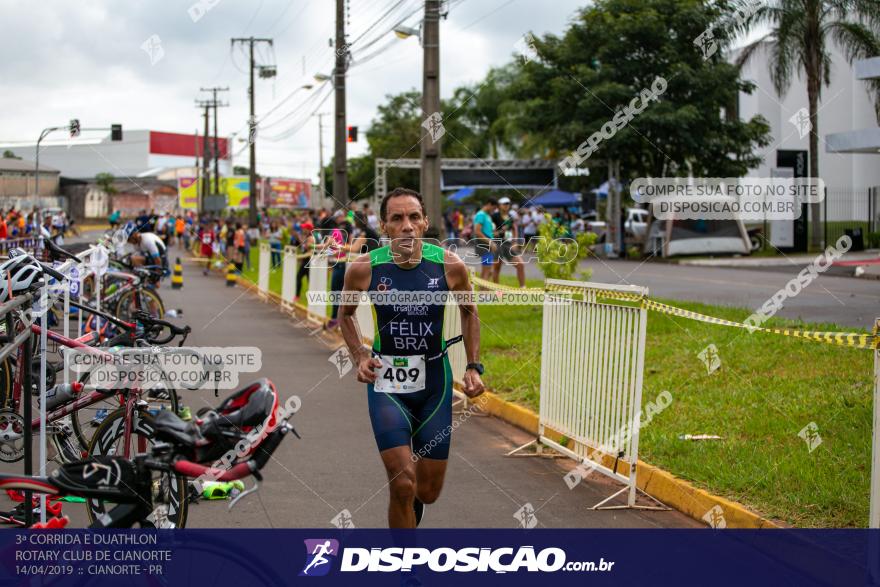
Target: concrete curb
(654,481)
(662,485)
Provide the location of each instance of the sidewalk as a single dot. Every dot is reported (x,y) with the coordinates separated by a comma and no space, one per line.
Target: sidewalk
(336,466)
(799,260)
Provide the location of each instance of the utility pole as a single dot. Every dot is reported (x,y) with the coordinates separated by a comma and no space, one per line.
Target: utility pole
(252,123)
(321,182)
(216,149)
(340,162)
(206,159)
(431,135)
(198,183)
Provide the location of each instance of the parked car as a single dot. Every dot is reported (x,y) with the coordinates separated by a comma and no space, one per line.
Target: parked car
(635,225)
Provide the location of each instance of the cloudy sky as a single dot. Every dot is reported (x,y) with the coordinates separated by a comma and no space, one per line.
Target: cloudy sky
(87,60)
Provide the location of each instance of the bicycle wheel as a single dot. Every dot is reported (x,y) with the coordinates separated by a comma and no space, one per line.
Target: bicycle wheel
(169,490)
(87,419)
(150,302)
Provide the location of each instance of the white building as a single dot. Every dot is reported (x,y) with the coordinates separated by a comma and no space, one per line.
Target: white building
(141,153)
(845,105)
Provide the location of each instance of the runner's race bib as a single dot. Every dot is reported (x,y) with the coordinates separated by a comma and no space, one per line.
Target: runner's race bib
(401,374)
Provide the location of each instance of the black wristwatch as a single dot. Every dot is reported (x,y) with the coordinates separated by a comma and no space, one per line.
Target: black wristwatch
(478,367)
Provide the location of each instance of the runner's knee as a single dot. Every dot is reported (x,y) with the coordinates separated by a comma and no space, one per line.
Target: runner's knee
(429,491)
(403,485)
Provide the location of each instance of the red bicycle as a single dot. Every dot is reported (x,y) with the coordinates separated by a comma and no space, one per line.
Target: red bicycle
(180,449)
(124,432)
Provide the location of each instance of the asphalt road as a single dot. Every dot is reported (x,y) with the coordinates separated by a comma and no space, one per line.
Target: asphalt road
(846,301)
(336,465)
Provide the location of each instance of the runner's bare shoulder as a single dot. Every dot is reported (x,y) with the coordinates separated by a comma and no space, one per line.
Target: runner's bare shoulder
(455,268)
(359,272)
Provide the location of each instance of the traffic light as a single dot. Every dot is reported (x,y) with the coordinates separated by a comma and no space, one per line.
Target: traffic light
(115,132)
(74,127)
(352,134)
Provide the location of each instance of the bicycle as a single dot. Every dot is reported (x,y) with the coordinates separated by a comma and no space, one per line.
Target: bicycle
(147,329)
(183,451)
(125,424)
(126,291)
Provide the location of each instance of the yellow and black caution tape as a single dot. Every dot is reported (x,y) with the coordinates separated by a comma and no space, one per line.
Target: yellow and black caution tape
(600,293)
(491,285)
(847,339)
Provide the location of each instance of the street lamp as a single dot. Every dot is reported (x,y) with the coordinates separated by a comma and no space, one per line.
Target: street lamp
(322,77)
(405,32)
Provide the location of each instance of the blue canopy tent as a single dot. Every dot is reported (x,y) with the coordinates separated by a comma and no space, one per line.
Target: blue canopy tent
(555,199)
(461,195)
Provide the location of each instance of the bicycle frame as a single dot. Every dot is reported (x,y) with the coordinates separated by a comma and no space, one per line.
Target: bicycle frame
(128,400)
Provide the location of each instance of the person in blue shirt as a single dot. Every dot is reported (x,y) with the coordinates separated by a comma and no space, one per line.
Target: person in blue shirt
(484,232)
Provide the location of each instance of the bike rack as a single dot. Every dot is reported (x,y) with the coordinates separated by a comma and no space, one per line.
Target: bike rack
(9,343)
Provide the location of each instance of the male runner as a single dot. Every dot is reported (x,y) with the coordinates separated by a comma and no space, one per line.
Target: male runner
(506,223)
(408,377)
(484,232)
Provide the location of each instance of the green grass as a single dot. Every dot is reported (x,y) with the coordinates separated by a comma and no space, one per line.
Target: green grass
(768,388)
(252,273)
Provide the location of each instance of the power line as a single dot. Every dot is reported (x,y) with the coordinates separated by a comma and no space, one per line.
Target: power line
(376,23)
(292,112)
(286,134)
(277,106)
(251,21)
(396,21)
(488,14)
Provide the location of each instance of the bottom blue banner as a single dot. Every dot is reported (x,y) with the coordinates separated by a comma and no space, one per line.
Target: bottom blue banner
(215,558)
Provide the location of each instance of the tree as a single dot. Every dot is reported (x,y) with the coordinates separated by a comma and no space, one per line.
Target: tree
(482,110)
(105,182)
(798,44)
(615,51)
(7,154)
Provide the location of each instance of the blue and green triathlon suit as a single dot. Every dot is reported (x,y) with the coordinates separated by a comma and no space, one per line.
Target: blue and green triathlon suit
(411,400)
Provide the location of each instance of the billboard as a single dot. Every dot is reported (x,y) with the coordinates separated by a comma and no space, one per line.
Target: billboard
(187,193)
(279,192)
(289,193)
(237,190)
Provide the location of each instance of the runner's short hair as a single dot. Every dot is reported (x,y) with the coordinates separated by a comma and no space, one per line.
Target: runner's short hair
(397,192)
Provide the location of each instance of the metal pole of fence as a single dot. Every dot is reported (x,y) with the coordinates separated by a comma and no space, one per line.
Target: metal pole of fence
(825,224)
(26,397)
(66,327)
(44,326)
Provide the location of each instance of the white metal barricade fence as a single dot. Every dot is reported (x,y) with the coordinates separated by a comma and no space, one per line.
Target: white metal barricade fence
(451,329)
(289,266)
(592,364)
(263,267)
(318,267)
